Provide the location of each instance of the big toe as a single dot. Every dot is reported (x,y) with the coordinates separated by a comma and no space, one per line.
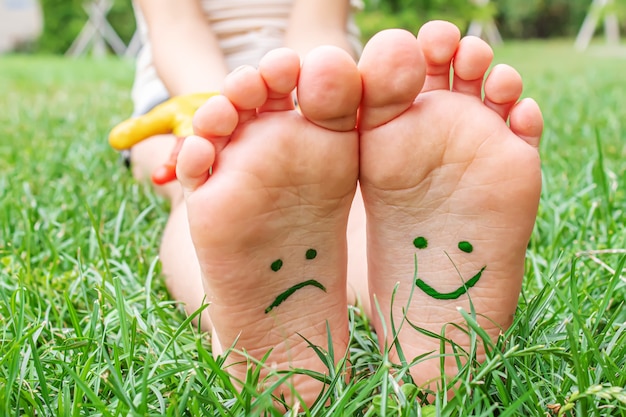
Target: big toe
(329,89)
(392,69)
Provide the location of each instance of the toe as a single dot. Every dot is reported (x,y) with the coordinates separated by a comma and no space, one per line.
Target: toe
(503,88)
(471,62)
(438,41)
(216,120)
(392,69)
(194,161)
(526,121)
(246,90)
(280,69)
(329,89)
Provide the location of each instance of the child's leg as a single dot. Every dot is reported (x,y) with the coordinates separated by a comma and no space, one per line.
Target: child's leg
(179,263)
(269,222)
(150,154)
(451,191)
(358,292)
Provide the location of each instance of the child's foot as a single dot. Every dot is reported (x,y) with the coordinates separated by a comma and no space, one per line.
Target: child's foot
(448,186)
(269,221)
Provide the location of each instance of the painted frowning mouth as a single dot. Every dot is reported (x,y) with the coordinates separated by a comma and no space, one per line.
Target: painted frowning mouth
(277,265)
(282,297)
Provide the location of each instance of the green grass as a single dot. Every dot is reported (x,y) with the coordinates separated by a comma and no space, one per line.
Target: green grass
(88,328)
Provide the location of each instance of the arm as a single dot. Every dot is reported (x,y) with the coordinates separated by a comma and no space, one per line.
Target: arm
(316,23)
(186,54)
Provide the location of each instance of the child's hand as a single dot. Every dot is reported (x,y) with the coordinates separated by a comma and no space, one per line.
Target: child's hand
(173,116)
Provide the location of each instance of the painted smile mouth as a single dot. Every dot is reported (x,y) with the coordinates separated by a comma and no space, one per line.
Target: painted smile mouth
(449,295)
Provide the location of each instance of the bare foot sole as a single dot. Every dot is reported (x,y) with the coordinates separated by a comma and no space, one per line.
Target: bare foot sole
(450,189)
(268,221)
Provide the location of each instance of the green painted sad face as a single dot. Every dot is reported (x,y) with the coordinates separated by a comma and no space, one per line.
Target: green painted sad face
(421,243)
(277,265)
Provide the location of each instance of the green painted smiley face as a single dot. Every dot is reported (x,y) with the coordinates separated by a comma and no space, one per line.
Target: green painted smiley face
(421,243)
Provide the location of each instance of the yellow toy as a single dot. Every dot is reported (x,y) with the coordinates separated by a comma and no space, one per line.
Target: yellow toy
(173,116)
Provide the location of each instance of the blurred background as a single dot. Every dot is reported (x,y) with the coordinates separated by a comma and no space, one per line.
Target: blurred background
(59,26)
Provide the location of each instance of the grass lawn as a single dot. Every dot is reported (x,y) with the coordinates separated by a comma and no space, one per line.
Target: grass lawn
(87,327)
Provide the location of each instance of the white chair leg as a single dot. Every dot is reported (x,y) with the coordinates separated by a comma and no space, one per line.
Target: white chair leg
(97,32)
(588,28)
(487,28)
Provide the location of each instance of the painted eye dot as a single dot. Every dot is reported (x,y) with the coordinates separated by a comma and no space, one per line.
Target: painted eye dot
(466,247)
(311,254)
(420,242)
(277,264)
